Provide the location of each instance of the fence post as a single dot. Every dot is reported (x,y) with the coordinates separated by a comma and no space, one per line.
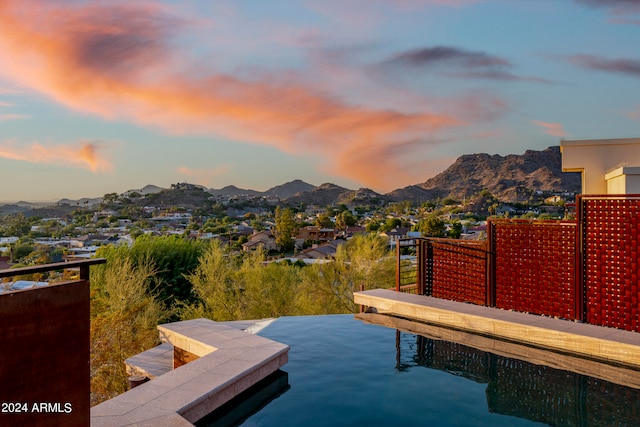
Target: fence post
(426,278)
(491,266)
(398,266)
(579,277)
(420,255)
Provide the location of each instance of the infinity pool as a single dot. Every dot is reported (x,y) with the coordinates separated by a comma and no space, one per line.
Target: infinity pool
(343,372)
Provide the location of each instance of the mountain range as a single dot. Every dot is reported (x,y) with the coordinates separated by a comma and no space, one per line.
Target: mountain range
(511,178)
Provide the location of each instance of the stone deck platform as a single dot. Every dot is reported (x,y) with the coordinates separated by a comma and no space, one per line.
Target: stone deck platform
(223,361)
(608,345)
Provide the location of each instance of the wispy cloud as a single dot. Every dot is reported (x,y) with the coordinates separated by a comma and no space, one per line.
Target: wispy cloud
(7,117)
(5,91)
(437,55)
(117,61)
(457,62)
(629,67)
(555,129)
(84,154)
(617,6)
(619,10)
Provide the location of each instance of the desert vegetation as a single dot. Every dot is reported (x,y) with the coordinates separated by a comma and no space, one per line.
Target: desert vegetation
(160,279)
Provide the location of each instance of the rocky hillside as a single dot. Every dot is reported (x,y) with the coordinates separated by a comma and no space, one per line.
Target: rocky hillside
(509,178)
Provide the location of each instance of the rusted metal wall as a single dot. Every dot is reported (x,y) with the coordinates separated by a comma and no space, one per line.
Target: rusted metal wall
(456,270)
(586,269)
(608,257)
(534,266)
(44,356)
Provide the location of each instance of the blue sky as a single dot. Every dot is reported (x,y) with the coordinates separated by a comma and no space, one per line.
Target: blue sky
(107,96)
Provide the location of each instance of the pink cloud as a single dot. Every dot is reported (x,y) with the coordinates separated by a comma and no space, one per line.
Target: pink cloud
(83,154)
(634,115)
(7,117)
(554,129)
(116,61)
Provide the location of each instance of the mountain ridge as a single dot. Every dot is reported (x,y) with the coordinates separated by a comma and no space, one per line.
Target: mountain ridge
(511,178)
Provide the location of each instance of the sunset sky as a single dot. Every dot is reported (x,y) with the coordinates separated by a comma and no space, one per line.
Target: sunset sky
(106,96)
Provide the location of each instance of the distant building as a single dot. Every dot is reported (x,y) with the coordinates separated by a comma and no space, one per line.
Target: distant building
(262,239)
(317,234)
(324,251)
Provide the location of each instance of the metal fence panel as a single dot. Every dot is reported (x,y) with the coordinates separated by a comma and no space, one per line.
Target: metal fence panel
(609,258)
(458,270)
(534,264)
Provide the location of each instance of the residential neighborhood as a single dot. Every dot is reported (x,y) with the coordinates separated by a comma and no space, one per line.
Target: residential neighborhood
(246,222)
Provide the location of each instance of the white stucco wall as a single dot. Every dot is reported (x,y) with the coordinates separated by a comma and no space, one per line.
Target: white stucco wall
(597,157)
(624,180)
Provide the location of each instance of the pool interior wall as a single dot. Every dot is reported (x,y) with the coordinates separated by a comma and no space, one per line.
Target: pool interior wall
(343,372)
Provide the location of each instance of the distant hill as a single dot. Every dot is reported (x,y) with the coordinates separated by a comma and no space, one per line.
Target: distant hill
(149,189)
(289,189)
(325,194)
(232,190)
(331,194)
(362,196)
(85,201)
(509,178)
(413,193)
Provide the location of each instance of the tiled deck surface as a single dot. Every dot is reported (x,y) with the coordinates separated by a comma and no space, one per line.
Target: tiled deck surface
(151,363)
(231,360)
(612,346)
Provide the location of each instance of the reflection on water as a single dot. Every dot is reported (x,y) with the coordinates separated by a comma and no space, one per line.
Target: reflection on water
(248,402)
(523,389)
(384,371)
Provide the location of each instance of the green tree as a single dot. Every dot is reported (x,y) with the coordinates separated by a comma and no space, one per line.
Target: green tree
(110,198)
(390,224)
(232,289)
(172,258)
(285,229)
(365,261)
(345,219)
(400,208)
(20,251)
(455,231)
(324,221)
(432,226)
(373,225)
(18,226)
(124,317)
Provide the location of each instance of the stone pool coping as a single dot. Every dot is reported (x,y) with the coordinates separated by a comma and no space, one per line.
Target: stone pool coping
(230,361)
(594,342)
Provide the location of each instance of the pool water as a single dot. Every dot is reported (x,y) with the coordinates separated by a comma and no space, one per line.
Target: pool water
(343,372)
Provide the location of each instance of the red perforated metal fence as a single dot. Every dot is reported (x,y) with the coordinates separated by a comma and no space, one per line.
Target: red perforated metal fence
(586,269)
(534,266)
(456,270)
(608,259)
